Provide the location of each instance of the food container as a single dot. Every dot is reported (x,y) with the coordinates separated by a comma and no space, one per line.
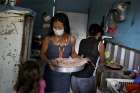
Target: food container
(116,85)
(68,65)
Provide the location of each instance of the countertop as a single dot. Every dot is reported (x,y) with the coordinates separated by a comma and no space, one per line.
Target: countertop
(108,73)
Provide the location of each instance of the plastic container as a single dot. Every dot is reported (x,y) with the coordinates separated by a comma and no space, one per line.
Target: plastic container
(116,85)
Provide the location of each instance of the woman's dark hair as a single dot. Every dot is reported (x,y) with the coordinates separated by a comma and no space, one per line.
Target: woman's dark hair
(62,18)
(28,77)
(94,29)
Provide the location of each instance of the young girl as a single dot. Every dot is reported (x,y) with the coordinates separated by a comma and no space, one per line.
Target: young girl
(29,78)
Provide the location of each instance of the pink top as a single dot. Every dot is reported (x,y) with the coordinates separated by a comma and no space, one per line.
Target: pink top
(41,87)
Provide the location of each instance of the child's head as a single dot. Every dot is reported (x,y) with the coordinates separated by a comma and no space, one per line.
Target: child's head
(28,77)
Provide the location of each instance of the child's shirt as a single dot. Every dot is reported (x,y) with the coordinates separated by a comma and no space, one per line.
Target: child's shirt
(41,86)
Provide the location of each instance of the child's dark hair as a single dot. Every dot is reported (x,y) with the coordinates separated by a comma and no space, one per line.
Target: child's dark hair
(28,77)
(94,29)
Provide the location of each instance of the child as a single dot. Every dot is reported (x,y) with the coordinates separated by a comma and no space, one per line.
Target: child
(29,78)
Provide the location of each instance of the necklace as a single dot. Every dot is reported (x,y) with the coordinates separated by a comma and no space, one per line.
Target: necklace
(61,42)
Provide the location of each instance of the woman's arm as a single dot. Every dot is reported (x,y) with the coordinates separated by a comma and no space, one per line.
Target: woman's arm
(43,52)
(101,49)
(73,41)
(81,51)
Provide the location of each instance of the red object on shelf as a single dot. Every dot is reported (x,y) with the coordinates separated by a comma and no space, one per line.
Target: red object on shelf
(18,2)
(112,28)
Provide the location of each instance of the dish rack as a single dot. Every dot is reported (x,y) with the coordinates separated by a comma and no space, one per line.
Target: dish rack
(116,85)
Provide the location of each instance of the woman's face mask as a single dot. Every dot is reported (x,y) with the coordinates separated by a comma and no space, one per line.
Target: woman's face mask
(58,32)
(58,28)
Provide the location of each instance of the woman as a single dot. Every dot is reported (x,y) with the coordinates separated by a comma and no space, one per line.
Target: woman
(59,44)
(92,47)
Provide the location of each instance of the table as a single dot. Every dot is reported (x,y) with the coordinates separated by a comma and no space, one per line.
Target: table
(108,73)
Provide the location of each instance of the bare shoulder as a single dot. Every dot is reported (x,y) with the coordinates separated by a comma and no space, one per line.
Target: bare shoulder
(45,40)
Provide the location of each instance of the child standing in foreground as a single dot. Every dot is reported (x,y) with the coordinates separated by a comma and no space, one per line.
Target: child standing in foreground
(29,78)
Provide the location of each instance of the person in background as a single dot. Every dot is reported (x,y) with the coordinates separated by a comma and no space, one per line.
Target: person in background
(29,78)
(92,47)
(58,44)
(45,24)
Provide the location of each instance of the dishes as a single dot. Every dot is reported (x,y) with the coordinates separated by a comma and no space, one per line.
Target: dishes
(68,65)
(114,66)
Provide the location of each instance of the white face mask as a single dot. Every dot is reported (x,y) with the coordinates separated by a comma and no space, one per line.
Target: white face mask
(58,32)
